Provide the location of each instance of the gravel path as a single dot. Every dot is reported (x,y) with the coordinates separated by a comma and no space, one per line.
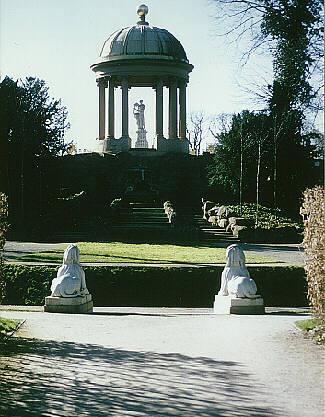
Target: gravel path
(162,362)
(14,249)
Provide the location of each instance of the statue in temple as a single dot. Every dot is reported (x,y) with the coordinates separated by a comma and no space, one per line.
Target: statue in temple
(235,278)
(70,280)
(138,112)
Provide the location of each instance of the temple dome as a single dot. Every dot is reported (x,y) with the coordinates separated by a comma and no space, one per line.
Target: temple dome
(142,54)
(142,41)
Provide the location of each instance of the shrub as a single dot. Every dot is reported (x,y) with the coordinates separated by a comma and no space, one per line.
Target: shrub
(267,218)
(156,286)
(314,243)
(7,326)
(271,226)
(3,231)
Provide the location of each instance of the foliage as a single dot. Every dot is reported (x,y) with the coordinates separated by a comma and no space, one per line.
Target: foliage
(32,130)
(72,197)
(129,252)
(7,326)
(233,155)
(308,324)
(251,161)
(293,26)
(267,219)
(313,210)
(156,286)
(3,231)
(33,121)
(312,327)
(3,219)
(293,32)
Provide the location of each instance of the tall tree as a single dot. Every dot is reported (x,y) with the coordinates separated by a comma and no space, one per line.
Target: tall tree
(235,161)
(32,128)
(293,25)
(196,130)
(292,30)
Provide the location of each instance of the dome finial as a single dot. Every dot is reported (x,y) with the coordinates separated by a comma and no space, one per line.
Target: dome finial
(142,10)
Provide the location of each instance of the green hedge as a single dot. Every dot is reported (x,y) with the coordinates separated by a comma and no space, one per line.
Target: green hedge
(156,286)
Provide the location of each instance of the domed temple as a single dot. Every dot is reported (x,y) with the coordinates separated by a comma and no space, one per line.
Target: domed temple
(143,56)
(138,56)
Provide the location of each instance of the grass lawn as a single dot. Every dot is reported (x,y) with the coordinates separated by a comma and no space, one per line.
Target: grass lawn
(308,324)
(7,326)
(143,253)
(313,327)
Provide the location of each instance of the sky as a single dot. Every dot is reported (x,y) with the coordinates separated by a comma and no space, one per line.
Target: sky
(57,41)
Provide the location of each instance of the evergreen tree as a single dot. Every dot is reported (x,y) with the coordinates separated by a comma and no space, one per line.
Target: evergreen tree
(32,129)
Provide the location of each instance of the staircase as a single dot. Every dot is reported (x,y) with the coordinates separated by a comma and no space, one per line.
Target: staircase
(141,218)
(75,234)
(149,221)
(213,235)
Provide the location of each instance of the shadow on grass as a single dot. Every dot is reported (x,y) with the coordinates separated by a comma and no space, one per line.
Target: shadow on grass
(118,259)
(71,379)
(41,257)
(55,255)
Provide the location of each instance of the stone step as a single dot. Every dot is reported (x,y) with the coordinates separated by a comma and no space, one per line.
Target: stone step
(146,206)
(143,216)
(141,219)
(70,236)
(148,212)
(140,227)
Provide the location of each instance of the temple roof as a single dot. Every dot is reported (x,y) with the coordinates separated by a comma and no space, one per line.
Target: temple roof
(142,41)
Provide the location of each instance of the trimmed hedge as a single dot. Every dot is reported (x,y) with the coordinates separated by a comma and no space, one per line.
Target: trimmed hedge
(156,286)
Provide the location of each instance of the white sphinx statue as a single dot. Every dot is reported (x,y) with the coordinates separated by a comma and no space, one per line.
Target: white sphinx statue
(237,293)
(235,279)
(70,280)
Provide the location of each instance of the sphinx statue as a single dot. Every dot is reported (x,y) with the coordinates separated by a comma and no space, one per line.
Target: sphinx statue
(70,280)
(235,278)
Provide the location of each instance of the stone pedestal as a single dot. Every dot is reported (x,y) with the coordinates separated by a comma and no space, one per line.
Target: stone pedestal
(116,145)
(69,304)
(141,141)
(227,305)
(171,145)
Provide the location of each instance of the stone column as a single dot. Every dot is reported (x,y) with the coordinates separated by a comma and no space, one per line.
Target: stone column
(182,110)
(111,109)
(172,122)
(159,109)
(125,108)
(101,119)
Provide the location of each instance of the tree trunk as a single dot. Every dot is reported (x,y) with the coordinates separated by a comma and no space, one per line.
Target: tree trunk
(22,184)
(241,176)
(258,182)
(275,173)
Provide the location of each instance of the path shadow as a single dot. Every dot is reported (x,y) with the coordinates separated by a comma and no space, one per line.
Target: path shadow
(288,313)
(115,313)
(258,247)
(49,378)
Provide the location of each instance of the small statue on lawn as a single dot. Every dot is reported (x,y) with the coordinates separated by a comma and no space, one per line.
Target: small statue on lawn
(235,278)
(70,280)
